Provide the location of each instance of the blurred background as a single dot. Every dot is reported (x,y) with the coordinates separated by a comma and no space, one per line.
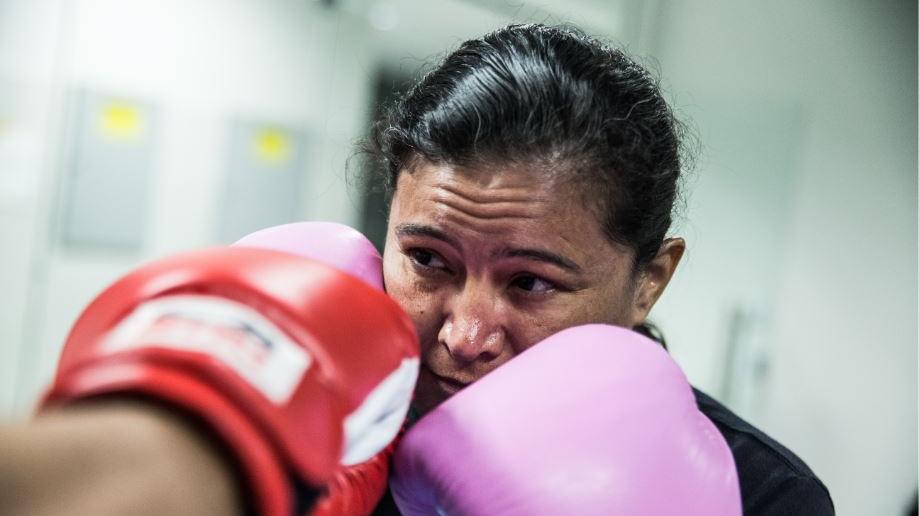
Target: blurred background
(129,130)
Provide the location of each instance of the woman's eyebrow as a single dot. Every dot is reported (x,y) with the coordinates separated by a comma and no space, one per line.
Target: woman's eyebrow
(542,256)
(412,229)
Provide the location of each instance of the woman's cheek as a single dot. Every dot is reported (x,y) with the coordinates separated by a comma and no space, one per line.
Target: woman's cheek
(532,330)
(418,303)
(534,323)
(423,312)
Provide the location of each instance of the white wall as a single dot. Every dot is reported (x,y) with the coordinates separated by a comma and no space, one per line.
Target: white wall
(29,46)
(836,285)
(200,64)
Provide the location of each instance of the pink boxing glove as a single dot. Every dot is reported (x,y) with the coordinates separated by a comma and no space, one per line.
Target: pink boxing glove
(593,420)
(334,244)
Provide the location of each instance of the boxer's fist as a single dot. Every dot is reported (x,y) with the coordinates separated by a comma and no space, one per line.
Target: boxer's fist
(286,360)
(593,420)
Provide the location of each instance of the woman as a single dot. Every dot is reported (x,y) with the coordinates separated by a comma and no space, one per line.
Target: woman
(533,174)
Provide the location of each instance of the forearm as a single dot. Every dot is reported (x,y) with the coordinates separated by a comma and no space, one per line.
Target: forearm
(113,457)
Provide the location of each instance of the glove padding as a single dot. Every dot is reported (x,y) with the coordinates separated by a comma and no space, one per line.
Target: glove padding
(273,352)
(358,485)
(593,420)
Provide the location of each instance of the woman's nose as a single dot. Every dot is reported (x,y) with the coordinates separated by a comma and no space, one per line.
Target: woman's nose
(472,330)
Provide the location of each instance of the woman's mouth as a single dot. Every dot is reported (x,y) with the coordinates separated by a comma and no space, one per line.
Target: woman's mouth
(448,385)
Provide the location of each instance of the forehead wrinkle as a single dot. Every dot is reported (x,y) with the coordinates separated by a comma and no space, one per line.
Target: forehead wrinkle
(490,206)
(482,212)
(496,194)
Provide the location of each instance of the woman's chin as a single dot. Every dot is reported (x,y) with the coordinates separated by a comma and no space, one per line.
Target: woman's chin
(430,392)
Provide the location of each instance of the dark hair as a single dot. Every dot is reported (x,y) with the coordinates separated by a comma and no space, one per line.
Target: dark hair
(552,97)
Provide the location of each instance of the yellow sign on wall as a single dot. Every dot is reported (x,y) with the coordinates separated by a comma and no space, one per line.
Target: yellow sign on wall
(120,120)
(272,145)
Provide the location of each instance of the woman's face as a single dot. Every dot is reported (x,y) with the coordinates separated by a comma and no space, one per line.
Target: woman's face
(488,264)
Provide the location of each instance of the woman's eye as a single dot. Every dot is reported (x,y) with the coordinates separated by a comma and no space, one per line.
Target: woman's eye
(426,258)
(534,284)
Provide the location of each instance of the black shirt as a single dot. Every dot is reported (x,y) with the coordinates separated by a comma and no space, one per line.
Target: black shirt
(773,480)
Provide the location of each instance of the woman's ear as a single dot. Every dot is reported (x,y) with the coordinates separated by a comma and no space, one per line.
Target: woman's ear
(655,276)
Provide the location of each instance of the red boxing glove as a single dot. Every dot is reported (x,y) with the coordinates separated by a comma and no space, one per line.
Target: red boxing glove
(361,481)
(357,489)
(290,362)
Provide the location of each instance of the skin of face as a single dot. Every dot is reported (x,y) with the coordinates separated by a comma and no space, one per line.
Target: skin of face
(489,261)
